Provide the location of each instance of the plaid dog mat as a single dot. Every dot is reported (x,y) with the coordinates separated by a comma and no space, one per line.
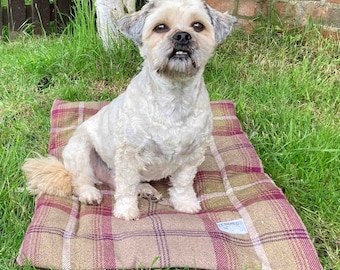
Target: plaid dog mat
(246,221)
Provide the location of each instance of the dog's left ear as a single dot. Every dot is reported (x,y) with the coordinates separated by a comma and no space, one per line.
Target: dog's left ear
(131,25)
(222,22)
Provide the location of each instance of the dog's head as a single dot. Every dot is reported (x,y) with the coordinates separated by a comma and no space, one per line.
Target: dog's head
(177,36)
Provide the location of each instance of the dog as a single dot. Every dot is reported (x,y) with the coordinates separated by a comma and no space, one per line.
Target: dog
(159,127)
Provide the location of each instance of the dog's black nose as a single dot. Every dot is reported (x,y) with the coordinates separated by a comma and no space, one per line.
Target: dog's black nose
(181,38)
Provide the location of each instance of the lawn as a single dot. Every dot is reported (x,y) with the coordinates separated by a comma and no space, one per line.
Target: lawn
(285,84)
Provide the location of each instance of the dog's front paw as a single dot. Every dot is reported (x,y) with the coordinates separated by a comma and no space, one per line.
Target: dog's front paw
(89,195)
(126,208)
(191,207)
(184,199)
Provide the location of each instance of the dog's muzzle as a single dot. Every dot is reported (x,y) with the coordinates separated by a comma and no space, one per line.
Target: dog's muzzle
(181,45)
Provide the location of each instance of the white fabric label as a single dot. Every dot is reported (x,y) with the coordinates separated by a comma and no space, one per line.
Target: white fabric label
(236,226)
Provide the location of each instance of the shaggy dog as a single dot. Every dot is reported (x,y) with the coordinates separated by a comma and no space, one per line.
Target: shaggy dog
(159,127)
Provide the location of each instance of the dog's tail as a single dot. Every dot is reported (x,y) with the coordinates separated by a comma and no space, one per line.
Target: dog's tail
(47,175)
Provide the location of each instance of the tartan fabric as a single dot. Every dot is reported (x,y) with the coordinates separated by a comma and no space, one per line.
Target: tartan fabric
(259,229)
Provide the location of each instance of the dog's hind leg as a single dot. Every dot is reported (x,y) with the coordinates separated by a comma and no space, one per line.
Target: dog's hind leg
(146,191)
(77,160)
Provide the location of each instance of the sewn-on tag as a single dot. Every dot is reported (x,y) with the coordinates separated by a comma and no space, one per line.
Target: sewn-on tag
(236,226)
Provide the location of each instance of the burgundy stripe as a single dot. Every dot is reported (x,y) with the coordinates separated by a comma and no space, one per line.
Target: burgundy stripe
(225,258)
(162,244)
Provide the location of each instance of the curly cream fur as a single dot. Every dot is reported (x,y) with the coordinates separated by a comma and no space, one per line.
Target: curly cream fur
(159,127)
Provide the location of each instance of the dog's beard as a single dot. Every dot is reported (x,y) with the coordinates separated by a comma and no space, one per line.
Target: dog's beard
(178,60)
(182,59)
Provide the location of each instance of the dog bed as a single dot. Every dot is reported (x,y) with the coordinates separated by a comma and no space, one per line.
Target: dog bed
(245,223)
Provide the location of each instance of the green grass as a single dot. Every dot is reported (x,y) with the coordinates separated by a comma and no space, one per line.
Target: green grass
(286,87)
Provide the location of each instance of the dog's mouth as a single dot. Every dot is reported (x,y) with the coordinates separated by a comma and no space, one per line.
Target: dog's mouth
(182,54)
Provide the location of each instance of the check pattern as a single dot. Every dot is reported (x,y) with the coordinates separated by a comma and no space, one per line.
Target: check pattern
(231,185)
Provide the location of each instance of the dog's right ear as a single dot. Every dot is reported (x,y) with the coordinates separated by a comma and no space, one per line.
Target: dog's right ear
(131,25)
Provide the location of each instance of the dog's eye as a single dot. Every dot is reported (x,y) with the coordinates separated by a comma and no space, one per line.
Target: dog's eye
(198,27)
(161,28)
